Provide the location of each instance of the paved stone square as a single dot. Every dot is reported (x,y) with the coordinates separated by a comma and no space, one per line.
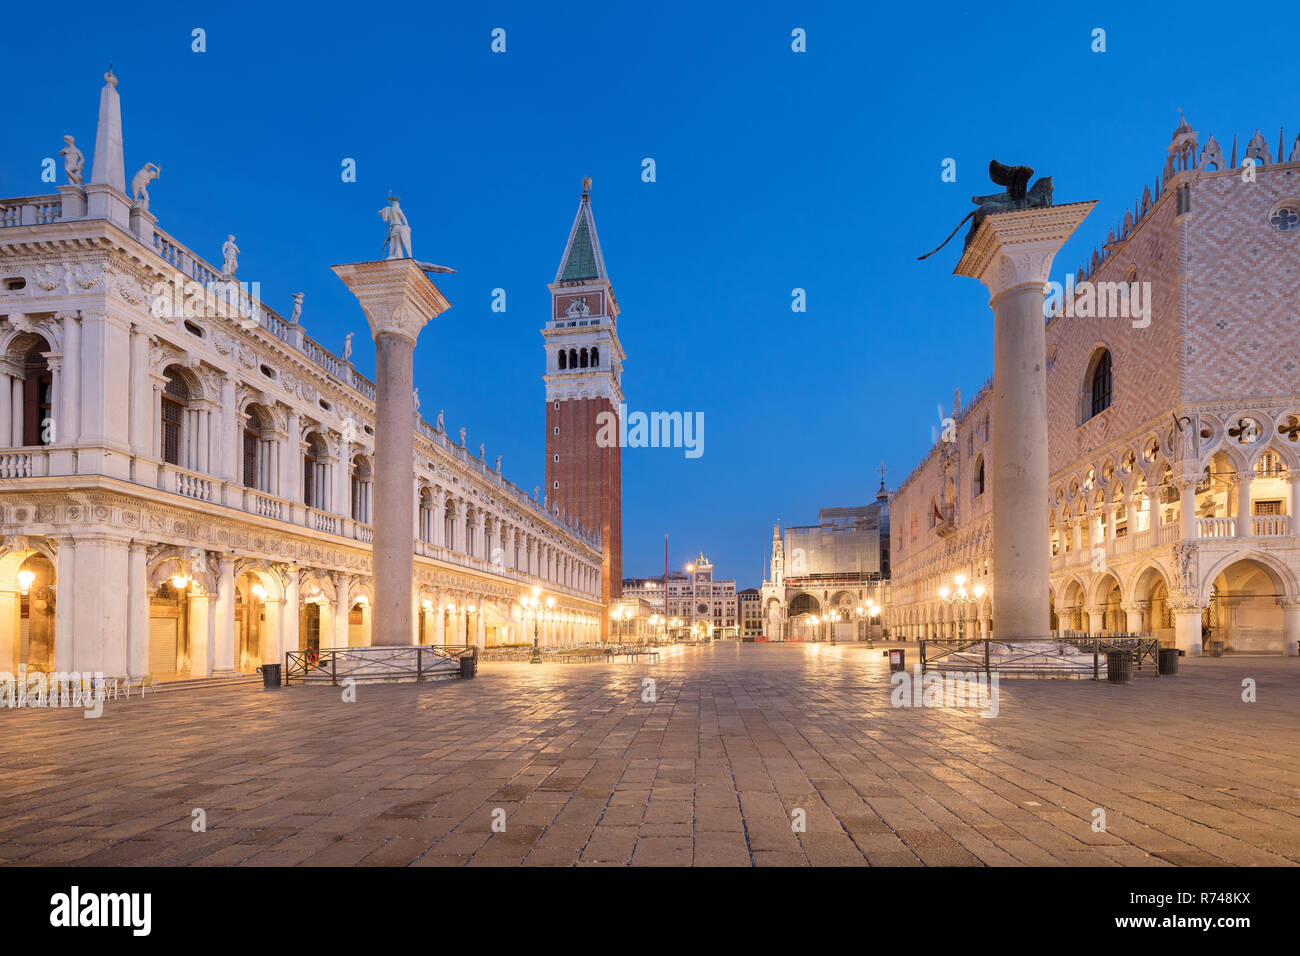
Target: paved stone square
(739,738)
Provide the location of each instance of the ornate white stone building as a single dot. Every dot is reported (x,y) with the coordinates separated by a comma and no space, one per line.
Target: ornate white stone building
(1174,438)
(185,475)
(826,570)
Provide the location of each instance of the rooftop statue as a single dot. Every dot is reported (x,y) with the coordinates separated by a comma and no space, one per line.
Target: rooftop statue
(398,235)
(1016,196)
(229,256)
(140,184)
(73,161)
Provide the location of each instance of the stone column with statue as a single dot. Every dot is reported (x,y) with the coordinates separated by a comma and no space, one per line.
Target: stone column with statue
(1013,239)
(398,299)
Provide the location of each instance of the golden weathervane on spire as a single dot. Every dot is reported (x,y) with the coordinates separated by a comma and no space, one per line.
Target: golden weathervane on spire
(586,185)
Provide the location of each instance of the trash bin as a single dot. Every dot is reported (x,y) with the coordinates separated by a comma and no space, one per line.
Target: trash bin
(270,675)
(896,659)
(1216,648)
(1168,660)
(1119,667)
(468,666)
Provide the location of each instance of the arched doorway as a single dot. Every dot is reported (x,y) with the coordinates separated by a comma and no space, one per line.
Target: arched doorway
(169,628)
(250,622)
(1113,618)
(1245,610)
(802,611)
(1070,613)
(36,606)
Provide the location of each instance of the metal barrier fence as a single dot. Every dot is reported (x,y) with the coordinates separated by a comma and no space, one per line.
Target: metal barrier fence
(405,662)
(575,652)
(1040,657)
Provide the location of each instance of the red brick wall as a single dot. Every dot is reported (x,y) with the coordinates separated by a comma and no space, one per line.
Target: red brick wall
(590,480)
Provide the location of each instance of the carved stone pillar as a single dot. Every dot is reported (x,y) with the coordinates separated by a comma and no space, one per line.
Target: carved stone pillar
(1011,254)
(1187,624)
(1291,625)
(439,517)
(398,299)
(1186,507)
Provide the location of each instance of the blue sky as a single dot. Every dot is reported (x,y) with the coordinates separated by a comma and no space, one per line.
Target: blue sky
(775,170)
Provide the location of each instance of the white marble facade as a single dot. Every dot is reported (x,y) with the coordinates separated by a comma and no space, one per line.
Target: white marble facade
(187,491)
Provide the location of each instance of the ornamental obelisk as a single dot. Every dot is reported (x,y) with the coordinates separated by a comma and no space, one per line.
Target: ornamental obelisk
(398,298)
(1010,247)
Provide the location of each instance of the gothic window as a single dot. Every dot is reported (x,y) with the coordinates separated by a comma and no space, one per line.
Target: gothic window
(250,457)
(174,399)
(361,489)
(979,478)
(259,458)
(1269,466)
(1286,218)
(1100,384)
(38,384)
(426,516)
(564,363)
(314,462)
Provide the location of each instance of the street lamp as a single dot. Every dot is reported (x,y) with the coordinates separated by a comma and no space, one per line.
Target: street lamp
(961,597)
(832,621)
(532,603)
(816,627)
(869,613)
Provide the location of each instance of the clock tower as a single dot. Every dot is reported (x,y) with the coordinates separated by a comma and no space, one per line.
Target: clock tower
(584,365)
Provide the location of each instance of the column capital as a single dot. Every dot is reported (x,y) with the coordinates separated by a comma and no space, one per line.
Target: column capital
(1017,248)
(395,295)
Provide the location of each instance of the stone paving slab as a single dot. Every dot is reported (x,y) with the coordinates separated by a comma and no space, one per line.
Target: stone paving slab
(739,741)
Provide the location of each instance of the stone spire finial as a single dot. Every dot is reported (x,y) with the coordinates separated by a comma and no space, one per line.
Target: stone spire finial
(109,167)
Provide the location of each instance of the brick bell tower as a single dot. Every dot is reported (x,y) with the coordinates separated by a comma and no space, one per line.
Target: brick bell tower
(584,363)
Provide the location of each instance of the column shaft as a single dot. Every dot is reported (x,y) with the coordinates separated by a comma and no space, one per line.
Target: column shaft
(1020,532)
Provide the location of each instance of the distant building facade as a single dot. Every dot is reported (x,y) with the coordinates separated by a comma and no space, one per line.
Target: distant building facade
(693,596)
(831,568)
(750,602)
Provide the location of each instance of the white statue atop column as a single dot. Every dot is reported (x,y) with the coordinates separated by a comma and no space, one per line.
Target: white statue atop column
(296,315)
(347,347)
(140,185)
(462,437)
(73,161)
(498,464)
(440,427)
(229,256)
(398,236)
(415,397)
(482,450)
